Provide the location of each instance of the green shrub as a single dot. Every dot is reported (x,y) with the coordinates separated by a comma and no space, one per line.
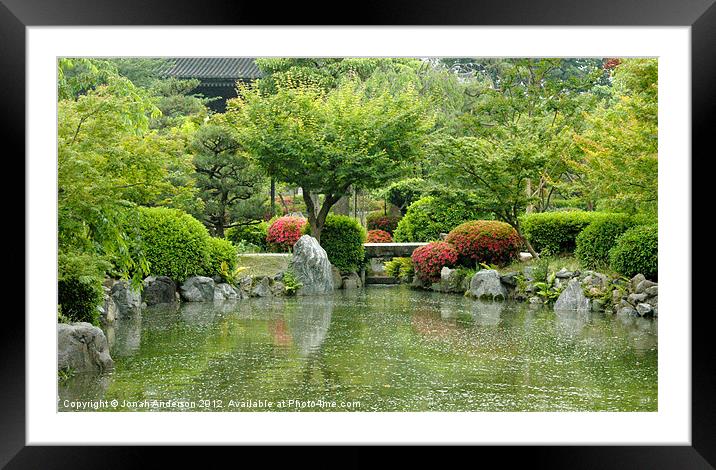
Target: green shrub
(342,237)
(222,257)
(254,234)
(400,268)
(291,282)
(430,216)
(404,192)
(556,232)
(595,241)
(79,298)
(485,241)
(174,243)
(79,286)
(636,252)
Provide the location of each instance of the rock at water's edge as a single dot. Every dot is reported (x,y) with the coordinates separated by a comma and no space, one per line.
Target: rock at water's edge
(82,347)
(311,266)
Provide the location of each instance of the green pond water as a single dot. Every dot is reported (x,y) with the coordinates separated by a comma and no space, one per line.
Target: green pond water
(374,349)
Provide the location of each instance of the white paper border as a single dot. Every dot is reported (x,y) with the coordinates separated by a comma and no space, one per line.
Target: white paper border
(670,425)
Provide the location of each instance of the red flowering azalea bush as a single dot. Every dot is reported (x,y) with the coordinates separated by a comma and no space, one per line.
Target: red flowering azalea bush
(284,232)
(428,260)
(379,236)
(485,241)
(378,221)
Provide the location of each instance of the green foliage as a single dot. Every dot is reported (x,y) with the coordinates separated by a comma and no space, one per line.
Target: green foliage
(327,142)
(404,192)
(291,282)
(400,268)
(430,216)
(79,286)
(618,150)
(254,234)
(343,239)
(556,232)
(540,270)
(547,290)
(79,298)
(221,257)
(228,181)
(636,252)
(109,161)
(507,144)
(64,374)
(595,241)
(175,243)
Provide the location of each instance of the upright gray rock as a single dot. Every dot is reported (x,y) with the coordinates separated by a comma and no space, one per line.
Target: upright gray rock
(127,298)
(110,310)
(159,290)
(486,284)
(351,281)
(198,289)
(311,266)
(224,291)
(82,347)
(262,288)
(573,298)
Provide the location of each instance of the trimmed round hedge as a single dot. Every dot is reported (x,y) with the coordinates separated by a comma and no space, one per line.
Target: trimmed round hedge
(254,234)
(430,216)
(284,232)
(342,237)
(378,236)
(486,241)
(556,232)
(430,259)
(595,241)
(636,252)
(174,243)
(220,250)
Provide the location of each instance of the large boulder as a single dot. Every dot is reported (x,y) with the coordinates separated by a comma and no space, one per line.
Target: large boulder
(262,287)
(311,266)
(224,291)
(198,289)
(351,281)
(127,298)
(486,284)
(573,298)
(82,347)
(159,290)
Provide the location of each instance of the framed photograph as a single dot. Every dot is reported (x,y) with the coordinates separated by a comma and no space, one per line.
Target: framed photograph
(433,226)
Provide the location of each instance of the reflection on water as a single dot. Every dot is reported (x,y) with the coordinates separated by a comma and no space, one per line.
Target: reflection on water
(389,348)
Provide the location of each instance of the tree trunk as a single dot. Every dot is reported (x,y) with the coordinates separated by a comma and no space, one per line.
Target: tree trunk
(316,216)
(273,196)
(524,239)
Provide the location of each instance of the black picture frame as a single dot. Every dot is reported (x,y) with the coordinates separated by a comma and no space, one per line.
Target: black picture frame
(700,15)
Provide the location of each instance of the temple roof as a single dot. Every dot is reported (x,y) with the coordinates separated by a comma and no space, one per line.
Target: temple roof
(214,68)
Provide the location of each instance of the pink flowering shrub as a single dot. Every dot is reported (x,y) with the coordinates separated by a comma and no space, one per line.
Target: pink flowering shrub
(379,221)
(428,260)
(379,236)
(284,232)
(485,241)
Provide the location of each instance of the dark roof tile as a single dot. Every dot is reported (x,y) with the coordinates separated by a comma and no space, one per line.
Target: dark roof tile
(213,67)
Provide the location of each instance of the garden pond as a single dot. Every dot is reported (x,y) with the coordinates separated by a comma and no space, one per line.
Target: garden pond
(375,349)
